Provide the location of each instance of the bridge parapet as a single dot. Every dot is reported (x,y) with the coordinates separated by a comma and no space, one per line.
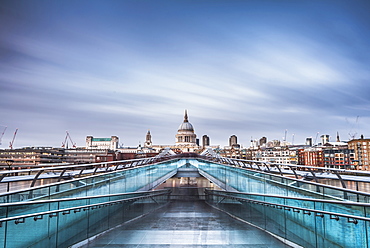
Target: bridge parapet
(302,221)
(59,173)
(65,222)
(298,171)
(100,178)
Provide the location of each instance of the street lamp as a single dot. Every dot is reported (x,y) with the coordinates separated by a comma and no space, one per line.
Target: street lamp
(9,162)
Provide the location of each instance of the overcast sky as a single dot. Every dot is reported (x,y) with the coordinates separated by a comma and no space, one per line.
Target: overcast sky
(249,68)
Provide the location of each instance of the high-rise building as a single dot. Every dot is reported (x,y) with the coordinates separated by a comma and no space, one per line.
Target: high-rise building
(262,141)
(309,141)
(324,139)
(233,140)
(205,141)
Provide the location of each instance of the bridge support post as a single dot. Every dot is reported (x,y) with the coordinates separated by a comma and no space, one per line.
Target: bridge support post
(35,178)
(340,179)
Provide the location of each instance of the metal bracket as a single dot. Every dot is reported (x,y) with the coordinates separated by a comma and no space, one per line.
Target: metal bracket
(354,221)
(334,217)
(40,217)
(21,220)
(319,215)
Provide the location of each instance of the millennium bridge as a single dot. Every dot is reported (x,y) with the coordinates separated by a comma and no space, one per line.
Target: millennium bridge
(186,200)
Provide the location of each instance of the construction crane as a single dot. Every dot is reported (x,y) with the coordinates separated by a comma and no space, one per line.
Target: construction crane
(352,133)
(12,142)
(1,136)
(65,143)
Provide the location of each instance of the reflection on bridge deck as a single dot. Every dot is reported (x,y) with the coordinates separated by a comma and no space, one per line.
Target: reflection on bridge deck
(186,223)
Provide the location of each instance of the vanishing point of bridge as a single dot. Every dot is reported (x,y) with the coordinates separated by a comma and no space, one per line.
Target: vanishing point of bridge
(183,201)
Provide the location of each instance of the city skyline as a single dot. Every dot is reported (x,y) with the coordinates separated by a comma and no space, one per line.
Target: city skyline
(244,68)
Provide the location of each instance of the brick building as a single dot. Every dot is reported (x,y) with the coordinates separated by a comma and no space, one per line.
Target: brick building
(313,156)
(361,148)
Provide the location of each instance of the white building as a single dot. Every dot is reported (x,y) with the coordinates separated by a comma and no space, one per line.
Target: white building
(276,155)
(102,143)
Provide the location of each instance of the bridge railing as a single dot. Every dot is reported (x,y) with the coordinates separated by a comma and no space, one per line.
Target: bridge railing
(298,171)
(306,222)
(127,177)
(236,175)
(64,222)
(60,173)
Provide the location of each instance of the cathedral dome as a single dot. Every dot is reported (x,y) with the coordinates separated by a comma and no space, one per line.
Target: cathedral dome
(186,125)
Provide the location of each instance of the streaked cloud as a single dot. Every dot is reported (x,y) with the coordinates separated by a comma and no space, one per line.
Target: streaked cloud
(120,68)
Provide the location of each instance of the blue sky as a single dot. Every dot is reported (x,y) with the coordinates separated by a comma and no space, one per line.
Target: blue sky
(249,68)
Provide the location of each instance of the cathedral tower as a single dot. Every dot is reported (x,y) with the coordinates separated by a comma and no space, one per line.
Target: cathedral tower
(185,137)
(148,140)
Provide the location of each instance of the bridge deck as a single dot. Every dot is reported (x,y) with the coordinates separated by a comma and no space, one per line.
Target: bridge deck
(186,224)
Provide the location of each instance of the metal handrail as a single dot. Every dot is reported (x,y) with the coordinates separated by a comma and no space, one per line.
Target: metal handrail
(72,166)
(87,177)
(318,213)
(223,159)
(231,162)
(360,204)
(10,204)
(176,156)
(303,166)
(54,213)
(345,190)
